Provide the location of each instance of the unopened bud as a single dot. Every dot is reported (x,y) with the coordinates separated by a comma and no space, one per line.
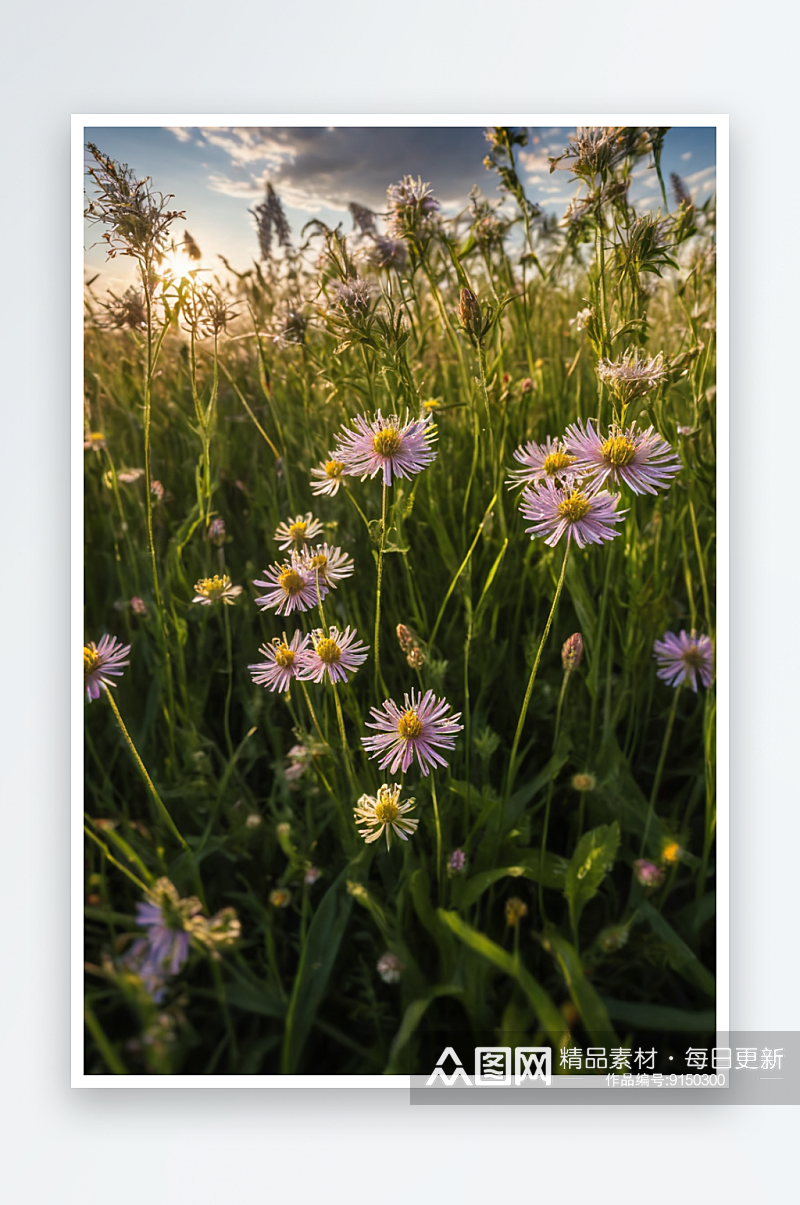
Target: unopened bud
(613,938)
(583,782)
(389,967)
(572,652)
(216,532)
(457,862)
(416,658)
(470,316)
(405,638)
(648,874)
(515,910)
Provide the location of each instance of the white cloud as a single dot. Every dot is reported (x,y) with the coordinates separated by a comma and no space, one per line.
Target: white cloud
(706,173)
(686,155)
(182,133)
(247,190)
(535,162)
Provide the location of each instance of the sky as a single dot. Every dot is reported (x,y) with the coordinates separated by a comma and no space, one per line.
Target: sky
(217,173)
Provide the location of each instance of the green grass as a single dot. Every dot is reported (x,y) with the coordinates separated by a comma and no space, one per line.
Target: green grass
(236,424)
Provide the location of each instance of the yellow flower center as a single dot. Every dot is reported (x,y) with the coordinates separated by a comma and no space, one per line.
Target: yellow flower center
(96,436)
(410,725)
(619,450)
(333,468)
(291,582)
(386,810)
(213,587)
(575,507)
(91,660)
(328,651)
(387,442)
(671,852)
(284,656)
(320,561)
(297,532)
(556,462)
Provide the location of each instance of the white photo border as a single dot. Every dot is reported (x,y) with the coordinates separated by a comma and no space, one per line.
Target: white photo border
(80,122)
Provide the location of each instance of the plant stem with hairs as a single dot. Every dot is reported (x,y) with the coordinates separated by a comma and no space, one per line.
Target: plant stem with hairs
(143,771)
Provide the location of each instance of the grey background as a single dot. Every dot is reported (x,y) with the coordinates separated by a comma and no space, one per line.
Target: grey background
(415,57)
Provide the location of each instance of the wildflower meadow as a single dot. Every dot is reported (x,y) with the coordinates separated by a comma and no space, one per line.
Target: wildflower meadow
(400,624)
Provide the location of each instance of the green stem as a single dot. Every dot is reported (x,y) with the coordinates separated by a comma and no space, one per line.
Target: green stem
(438,838)
(112,1059)
(229,668)
(546,825)
(512,768)
(485,392)
(159,803)
(461,569)
(314,719)
(660,768)
(379,683)
(142,886)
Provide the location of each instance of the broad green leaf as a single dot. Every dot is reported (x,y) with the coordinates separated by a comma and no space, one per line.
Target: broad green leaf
(526,866)
(263,1000)
(316,963)
(411,1019)
(591,1008)
(660,1018)
(681,958)
(594,855)
(550,1018)
(430,918)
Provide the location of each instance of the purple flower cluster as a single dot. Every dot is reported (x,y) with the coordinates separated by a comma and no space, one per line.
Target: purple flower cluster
(566,480)
(309,658)
(171,923)
(421,727)
(385,444)
(685,658)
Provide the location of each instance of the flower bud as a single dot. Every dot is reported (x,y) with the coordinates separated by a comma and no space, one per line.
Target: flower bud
(416,658)
(583,782)
(405,637)
(457,862)
(648,874)
(613,938)
(516,909)
(470,315)
(389,967)
(572,652)
(216,532)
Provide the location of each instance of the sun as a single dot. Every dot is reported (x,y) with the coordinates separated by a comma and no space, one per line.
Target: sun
(178,265)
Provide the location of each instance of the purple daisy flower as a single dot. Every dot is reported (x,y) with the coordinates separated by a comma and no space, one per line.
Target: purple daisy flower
(295,533)
(555,509)
(540,462)
(328,476)
(421,727)
(642,460)
(290,587)
(386,444)
(333,654)
(284,659)
(169,921)
(100,660)
(332,564)
(682,658)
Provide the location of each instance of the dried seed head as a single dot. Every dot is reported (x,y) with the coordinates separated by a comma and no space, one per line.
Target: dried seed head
(572,652)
